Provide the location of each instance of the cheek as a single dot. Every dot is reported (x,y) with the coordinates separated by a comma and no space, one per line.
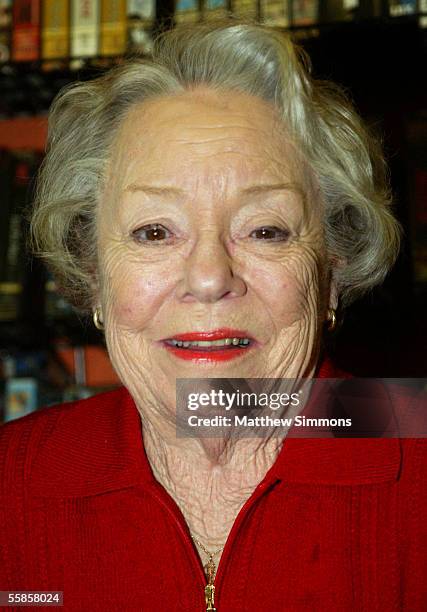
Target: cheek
(289,290)
(133,295)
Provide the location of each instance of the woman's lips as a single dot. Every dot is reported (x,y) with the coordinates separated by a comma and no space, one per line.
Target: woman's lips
(210,353)
(215,334)
(192,354)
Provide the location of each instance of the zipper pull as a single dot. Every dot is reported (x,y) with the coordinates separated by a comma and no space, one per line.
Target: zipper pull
(210,587)
(210,598)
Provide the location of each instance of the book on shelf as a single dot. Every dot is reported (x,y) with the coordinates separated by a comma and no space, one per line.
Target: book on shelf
(6,194)
(187,11)
(304,12)
(55,30)
(21,397)
(338,10)
(14,173)
(215,9)
(372,8)
(26,30)
(20,372)
(397,8)
(5,30)
(244,9)
(88,365)
(350,5)
(113,28)
(55,305)
(142,10)
(85,22)
(140,19)
(275,13)
(422,8)
(13,264)
(59,372)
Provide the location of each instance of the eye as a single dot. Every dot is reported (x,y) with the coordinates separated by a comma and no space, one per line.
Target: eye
(154,232)
(270,233)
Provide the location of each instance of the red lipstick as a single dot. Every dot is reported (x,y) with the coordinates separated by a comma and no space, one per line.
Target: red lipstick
(210,353)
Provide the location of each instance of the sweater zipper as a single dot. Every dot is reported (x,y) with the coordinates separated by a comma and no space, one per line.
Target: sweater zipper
(210,593)
(213,585)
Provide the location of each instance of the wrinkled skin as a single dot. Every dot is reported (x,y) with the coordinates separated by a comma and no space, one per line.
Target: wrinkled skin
(209,270)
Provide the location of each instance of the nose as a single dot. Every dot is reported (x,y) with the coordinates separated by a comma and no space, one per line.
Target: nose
(209,275)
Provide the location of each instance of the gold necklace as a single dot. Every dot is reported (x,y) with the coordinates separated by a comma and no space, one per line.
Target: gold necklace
(210,569)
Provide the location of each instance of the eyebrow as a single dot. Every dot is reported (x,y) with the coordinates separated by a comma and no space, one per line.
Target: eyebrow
(153,190)
(252,190)
(256,189)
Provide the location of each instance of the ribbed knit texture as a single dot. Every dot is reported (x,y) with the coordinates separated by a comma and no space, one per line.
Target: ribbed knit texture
(336,525)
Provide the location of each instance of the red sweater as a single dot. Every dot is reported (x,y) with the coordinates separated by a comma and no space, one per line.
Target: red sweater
(336,524)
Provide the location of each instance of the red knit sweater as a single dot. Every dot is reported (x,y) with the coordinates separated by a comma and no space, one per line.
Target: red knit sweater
(336,524)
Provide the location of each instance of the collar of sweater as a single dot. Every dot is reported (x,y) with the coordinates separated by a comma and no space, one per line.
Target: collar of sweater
(94,446)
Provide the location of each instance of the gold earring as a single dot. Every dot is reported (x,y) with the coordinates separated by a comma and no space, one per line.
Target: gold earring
(332,319)
(97,321)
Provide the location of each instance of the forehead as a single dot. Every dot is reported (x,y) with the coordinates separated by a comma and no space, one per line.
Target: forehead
(204,110)
(204,134)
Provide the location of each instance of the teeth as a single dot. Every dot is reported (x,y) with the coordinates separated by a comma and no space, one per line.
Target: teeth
(210,343)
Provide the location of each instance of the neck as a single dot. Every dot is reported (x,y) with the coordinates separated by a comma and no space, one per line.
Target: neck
(210,479)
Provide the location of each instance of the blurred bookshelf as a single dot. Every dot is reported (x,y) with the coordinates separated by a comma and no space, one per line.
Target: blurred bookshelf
(49,353)
(375,49)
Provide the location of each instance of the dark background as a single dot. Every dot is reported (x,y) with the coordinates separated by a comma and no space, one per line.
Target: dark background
(382,65)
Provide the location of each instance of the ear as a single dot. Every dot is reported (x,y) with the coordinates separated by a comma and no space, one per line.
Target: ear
(333,293)
(335,265)
(95,291)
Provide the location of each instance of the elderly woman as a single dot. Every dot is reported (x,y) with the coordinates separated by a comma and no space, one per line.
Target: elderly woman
(212,206)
